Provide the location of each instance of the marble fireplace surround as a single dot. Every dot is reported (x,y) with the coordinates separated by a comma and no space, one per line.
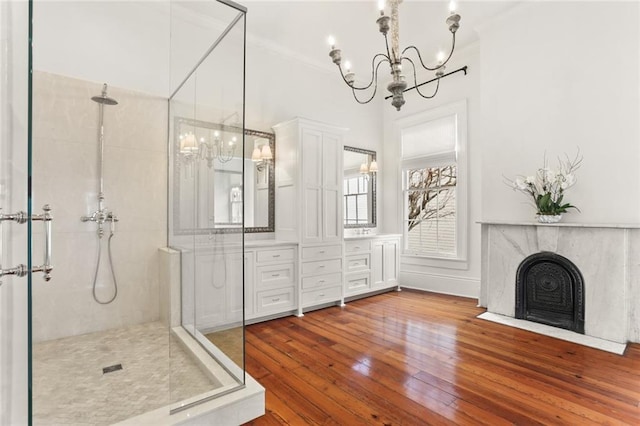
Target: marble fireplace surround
(608,256)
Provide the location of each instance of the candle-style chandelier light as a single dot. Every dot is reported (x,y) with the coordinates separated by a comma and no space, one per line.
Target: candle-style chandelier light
(395,58)
(214,148)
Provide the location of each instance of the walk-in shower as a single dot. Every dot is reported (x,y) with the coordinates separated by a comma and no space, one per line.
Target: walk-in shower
(148,346)
(103,215)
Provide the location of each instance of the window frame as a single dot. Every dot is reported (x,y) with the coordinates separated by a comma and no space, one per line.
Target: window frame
(459,110)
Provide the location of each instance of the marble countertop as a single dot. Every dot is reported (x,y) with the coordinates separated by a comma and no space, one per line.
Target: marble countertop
(367,236)
(267,243)
(561,224)
(233,245)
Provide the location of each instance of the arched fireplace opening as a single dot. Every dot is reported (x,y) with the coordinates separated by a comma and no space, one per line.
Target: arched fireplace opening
(550,290)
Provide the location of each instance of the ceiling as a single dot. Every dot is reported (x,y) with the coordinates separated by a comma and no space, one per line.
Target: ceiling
(302,27)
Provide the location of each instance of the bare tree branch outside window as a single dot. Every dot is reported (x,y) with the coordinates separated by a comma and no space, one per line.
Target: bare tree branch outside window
(429,192)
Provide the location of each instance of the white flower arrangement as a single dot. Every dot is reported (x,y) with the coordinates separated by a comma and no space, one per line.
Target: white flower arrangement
(547,186)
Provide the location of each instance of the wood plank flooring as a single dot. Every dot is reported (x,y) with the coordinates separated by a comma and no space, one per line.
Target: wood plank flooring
(414,358)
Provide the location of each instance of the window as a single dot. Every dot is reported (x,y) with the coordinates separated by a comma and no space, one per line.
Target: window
(434,184)
(431,210)
(356,200)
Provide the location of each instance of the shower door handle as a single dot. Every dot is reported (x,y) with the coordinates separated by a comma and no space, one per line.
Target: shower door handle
(20,270)
(47,219)
(21,217)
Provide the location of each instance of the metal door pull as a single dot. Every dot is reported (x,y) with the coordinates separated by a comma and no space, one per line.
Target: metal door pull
(21,217)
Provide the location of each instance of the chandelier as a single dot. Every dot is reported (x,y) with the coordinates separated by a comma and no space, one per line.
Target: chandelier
(213,149)
(395,58)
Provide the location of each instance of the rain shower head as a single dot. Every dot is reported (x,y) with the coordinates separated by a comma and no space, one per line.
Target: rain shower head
(103,98)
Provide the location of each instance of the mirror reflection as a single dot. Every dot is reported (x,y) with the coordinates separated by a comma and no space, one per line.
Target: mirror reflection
(208,183)
(360,170)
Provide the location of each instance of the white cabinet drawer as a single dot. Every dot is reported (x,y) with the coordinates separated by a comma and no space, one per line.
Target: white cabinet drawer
(275,255)
(321,267)
(357,246)
(322,251)
(275,300)
(275,275)
(315,297)
(327,280)
(358,282)
(357,262)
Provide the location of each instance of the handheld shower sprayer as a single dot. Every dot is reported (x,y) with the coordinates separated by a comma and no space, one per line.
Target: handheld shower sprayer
(103,215)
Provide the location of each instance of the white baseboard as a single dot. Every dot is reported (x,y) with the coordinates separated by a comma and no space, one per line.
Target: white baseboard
(437,283)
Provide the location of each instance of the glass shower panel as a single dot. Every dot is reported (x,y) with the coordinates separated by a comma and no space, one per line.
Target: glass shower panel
(206,204)
(219,295)
(14,30)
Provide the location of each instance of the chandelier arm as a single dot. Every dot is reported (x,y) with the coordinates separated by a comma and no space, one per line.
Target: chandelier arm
(415,81)
(374,72)
(453,46)
(368,100)
(375,88)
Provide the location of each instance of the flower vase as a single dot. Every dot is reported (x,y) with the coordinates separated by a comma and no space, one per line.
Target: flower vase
(549,218)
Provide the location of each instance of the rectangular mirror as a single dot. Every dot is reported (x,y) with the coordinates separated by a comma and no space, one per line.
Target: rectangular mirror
(208,167)
(360,170)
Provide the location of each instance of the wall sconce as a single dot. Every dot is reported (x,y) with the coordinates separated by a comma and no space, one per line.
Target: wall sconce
(262,156)
(369,169)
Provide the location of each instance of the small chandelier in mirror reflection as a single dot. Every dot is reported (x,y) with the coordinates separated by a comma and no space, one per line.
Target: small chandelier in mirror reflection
(214,148)
(395,59)
(368,170)
(262,154)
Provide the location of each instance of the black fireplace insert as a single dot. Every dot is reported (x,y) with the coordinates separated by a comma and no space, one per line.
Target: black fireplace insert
(550,290)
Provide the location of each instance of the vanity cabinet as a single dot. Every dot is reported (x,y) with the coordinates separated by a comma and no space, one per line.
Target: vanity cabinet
(371,263)
(386,261)
(212,283)
(309,208)
(274,281)
(321,275)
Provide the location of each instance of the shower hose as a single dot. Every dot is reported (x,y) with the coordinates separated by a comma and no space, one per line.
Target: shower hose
(113,274)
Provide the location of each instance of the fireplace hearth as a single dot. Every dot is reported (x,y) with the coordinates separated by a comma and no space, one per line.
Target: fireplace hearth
(550,290)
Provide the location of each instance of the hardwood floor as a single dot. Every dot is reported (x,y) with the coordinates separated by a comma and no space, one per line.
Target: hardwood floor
(414,358)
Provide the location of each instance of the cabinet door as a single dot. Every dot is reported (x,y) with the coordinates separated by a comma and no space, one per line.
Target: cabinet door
(311,176)
(332,213)
(377,263)
(390,255)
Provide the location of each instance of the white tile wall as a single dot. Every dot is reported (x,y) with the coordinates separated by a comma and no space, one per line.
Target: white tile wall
(65,175)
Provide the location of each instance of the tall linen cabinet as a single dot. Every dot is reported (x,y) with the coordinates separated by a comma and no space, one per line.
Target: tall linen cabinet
(309,206)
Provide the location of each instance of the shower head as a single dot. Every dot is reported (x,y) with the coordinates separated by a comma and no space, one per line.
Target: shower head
(103,98)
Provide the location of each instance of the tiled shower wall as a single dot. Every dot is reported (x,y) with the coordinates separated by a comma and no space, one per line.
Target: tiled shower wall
(65,175)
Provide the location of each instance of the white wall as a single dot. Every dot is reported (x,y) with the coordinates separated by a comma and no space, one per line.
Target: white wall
(540,82)
(557,76)
(414,272)
(65,175)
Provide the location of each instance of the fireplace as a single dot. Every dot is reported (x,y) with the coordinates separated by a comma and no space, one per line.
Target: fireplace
(550,290)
